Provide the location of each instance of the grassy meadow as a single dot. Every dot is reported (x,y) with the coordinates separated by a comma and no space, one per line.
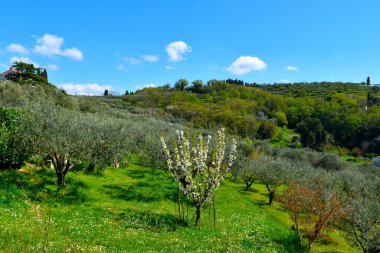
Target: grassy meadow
(134,209)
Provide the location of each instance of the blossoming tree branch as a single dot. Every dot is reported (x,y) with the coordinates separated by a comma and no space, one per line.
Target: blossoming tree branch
(199,168)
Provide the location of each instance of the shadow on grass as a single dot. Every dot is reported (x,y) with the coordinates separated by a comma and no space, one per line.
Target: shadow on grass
(40,185)
(141,191)
(291,243)
(149,221)
(242,190)
(150,186)
(255,240)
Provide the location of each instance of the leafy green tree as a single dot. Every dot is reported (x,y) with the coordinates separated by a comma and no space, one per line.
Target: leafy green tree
(266,130)
(181,84)
(312,133)
(14,149)
(197,86)
(281,118)
(368,81)
(105,93)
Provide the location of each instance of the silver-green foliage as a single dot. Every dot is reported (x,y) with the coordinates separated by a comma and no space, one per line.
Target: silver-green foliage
(67,137)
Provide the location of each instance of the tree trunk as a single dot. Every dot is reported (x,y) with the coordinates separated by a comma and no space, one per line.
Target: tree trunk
(179,205)
(271,197)
(61,166)
(198,218)
(91,167)
(309,246)
(61,179)
(214,210)
(248,185)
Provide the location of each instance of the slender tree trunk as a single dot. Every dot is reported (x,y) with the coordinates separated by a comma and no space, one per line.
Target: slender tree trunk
(91,167)
(214,211)
(271,197)
(61,179)
(309,246)
(183,208)
(199,213)
(179,205)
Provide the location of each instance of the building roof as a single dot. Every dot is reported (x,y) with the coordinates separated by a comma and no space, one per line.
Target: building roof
(11,71)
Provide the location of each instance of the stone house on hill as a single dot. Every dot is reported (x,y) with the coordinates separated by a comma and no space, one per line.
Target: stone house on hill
(11,73)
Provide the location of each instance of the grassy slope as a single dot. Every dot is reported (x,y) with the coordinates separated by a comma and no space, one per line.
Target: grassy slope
(134,210)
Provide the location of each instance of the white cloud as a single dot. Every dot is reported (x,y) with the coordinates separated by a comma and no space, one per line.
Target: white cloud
(132,60)
(23,59)
(291,68)
(17,48)
(50,45)
(84,89)
(150,58)
(121,67)
(169,67)
(150,85)
(73,53)
(177,50)
(52,67)
(246,64)
(283,81)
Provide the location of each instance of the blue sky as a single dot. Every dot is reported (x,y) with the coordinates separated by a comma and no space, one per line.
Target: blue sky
(89,46)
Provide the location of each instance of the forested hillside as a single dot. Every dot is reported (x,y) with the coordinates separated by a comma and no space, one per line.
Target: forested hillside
(328,116)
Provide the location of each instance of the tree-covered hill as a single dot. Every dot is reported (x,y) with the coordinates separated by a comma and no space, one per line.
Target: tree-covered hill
(333,114)
(321,89)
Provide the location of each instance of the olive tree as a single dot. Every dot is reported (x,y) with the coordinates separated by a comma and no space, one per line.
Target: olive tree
(248,172)
(273,173)
(362,213)
(67,137)
(108,141)
(199,168)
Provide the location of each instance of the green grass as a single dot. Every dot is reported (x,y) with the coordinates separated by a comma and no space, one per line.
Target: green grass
(134,210)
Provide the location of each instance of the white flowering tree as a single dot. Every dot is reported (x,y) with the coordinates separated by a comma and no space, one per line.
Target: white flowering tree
(199,168)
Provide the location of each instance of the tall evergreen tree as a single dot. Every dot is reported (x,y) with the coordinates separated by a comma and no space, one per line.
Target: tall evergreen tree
(45,75)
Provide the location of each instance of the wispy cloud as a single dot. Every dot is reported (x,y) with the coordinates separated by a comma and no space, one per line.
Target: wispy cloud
(52,67)
(150,58)
(177,50)
(169,67)
(23,59)
(17,48)
(51,45)
(291,68)
(283,81)
(121,67)
(132,60)
(85,89)
(245,64)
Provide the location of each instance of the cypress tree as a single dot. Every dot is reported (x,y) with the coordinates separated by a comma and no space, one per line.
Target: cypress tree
(45,75)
